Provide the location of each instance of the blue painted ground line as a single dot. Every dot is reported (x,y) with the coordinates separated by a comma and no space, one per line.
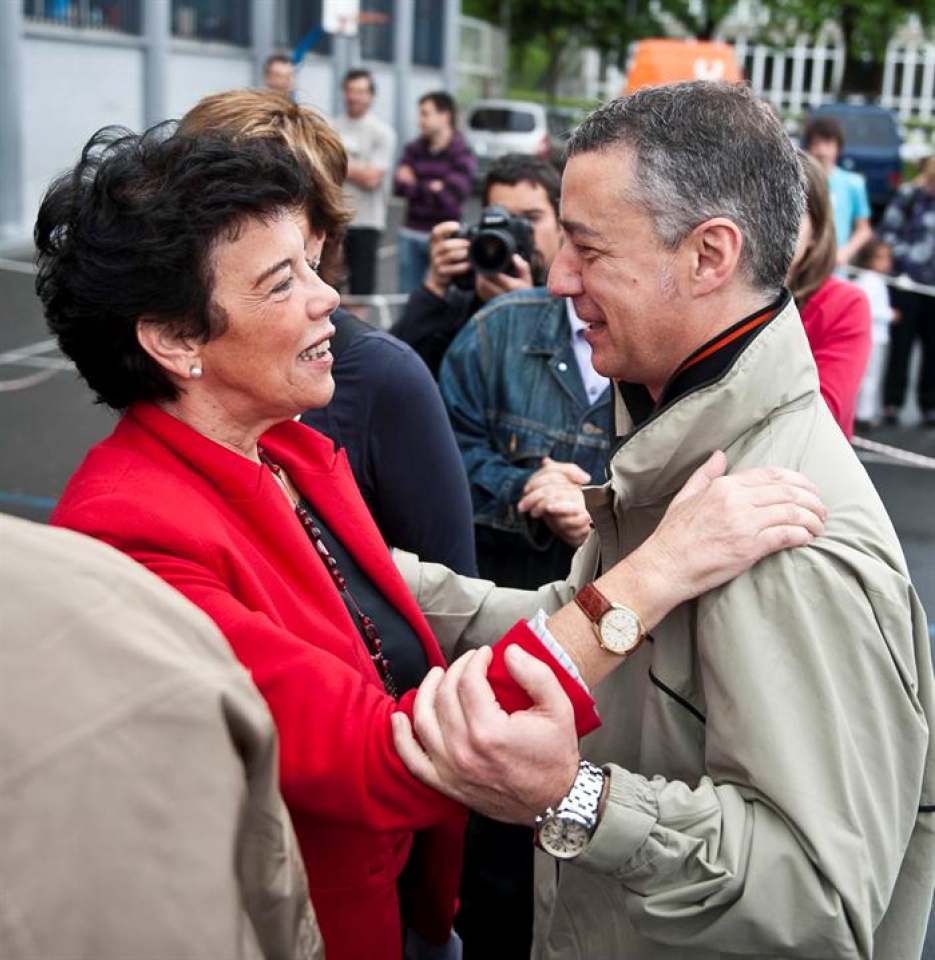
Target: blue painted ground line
(26,500)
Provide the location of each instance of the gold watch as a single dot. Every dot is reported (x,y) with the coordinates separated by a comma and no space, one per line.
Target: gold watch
(619,629)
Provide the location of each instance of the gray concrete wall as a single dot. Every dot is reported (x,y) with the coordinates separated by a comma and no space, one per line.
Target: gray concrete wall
(76,82)
(71,89)
(193,73)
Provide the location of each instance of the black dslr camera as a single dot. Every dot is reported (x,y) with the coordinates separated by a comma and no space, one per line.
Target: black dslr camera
(494,240)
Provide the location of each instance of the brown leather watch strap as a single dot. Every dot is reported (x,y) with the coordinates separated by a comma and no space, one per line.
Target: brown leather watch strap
(592,602)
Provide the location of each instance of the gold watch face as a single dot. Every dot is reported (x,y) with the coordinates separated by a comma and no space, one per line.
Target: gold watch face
(563,839)
(619,630)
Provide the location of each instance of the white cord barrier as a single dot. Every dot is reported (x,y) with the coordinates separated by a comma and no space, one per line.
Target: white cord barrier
(381,303)
(905,457)
(898,283)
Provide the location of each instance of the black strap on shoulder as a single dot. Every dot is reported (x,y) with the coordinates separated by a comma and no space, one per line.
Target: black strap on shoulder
(347,327)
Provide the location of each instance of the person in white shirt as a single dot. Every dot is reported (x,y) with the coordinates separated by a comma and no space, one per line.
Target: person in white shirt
(874,261)
(279,75)
(371,147)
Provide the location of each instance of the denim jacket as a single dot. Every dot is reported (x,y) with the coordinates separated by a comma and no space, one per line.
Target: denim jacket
(514,394)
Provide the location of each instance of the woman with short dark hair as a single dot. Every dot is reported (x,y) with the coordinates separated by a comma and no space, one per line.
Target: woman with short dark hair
(386,412)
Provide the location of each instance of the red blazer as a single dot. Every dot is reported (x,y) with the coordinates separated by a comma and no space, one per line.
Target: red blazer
(216,526)
(837,323)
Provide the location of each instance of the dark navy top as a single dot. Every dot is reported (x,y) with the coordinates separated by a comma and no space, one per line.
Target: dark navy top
(429,323)
(388,415)
(402,648)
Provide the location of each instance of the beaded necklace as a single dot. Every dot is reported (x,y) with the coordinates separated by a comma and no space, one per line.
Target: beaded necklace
(368,629)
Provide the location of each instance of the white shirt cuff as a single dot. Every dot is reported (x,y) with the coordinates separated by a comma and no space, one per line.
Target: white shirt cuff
(538,626)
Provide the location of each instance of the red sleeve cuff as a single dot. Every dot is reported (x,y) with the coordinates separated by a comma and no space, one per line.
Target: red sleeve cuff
(512,697)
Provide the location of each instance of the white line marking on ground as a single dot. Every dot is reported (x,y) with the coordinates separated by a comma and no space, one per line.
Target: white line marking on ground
(31,356)
(17,266)
(30,350)
(23,383)
(42,363)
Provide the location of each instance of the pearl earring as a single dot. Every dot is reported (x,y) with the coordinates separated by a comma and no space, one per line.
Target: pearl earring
(195,371)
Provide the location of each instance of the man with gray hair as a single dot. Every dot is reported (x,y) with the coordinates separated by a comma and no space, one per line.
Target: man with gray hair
(764,781)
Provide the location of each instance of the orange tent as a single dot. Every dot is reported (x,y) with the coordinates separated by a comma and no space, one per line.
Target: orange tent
(668,61)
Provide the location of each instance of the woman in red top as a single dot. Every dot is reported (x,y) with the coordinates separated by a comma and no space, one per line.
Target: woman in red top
(181,276)
(835,313)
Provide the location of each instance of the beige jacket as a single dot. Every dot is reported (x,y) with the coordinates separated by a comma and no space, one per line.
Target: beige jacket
(140,817)
(772,788)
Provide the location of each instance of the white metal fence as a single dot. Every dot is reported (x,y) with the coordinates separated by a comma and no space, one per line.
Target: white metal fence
(805,75)
(807,72)
(909,81)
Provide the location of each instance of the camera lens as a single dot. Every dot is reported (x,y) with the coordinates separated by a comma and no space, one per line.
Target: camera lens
(492,251)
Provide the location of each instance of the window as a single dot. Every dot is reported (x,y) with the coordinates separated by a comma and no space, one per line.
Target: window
(120,16)
(304,24)
(221,21)
(428,33)
(376,34)
(502,120)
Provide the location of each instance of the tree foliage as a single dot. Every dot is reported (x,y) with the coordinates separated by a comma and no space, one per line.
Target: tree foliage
(612,25)
(699,20)
(867,26)
(559,26)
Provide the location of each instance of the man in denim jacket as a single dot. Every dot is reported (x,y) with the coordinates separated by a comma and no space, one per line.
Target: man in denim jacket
(532,419)
(531,416)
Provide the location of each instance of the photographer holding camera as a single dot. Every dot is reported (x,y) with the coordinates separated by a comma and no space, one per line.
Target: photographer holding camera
(530,415)
(526,188)
(532,421)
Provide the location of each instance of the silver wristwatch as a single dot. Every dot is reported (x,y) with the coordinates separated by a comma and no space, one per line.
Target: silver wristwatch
(565,831)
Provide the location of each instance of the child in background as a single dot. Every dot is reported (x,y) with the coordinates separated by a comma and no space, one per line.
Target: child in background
(874,261)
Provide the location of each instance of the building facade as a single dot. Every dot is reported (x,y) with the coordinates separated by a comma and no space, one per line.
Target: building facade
(69,67)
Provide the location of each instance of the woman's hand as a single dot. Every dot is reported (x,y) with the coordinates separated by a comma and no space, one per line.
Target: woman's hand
(718,526)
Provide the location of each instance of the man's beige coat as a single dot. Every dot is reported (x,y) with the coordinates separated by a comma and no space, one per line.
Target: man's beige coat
(772,789)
